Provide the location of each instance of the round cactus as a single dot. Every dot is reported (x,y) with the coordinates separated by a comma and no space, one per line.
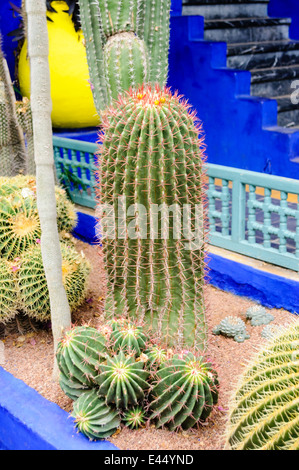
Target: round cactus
(155,267)
(72,387)
(128,338)
(122,380)
(19,225)
(184,393)
(79,354)
(33,284)
(134,418)
(264,409)
(232,327)
(66,212)
(156,356)
(93,417)
(8,292)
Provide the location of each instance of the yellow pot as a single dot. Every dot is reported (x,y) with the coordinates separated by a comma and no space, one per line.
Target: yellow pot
(73,105)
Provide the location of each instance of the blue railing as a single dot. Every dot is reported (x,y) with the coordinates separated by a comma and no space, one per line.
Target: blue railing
(251,213)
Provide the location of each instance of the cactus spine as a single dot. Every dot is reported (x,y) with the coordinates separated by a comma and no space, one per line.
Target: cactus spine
(127,44)
(264,410)
(33,284)
(151,158)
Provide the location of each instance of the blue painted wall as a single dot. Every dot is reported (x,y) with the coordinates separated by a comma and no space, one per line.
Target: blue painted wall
(240,130)
(286,8)
(30,422)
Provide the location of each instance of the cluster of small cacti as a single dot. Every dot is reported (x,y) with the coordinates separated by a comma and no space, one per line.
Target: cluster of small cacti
(264,409)
(232,327)
(258,316)
(156,274)
(123,377)
(23,286)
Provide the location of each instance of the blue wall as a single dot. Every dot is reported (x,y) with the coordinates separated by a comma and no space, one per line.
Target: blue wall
(241,131)
(286,8)
(7,24)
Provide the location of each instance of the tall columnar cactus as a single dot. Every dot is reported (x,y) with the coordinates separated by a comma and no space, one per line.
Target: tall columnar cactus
(12,144)
(264,410)
(127,44)
(151,161)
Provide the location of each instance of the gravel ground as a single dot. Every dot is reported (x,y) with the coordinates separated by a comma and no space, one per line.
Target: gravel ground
(29,357)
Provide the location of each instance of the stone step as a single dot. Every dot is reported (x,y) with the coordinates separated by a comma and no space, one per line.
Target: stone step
(263,54)
(272,82)
(247,29)
(231,9)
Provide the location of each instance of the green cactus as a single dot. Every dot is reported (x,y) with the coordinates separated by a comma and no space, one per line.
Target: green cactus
(127,43)
(232,327)
(264,409)
(26,185)
(24,116)
(134,418)
(156,356)
(122,380)
(184,393)
(258,316)
(154,275)
(8,292)
(19,225)
(79,354)
(127,338)
(33,284)
(72,387)
(93,417)
(125,62)
(12,145)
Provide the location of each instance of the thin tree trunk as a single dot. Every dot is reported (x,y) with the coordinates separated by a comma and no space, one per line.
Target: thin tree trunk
(38,50)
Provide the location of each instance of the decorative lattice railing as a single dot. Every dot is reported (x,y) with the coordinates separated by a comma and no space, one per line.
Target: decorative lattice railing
(250,213)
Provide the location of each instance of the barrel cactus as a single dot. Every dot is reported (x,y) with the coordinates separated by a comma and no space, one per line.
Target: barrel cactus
(135,417)
(156,356)
(93,417)
(79,354)
(19,225)
(185,390)
(33,284)
(151,177)
(8,292)
(264,409)
(127,338)
(72,387)
(232,327)
(122,380)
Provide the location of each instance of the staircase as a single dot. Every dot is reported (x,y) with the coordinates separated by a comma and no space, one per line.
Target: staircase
(257,43)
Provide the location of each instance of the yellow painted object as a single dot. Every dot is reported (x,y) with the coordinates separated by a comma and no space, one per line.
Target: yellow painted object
(73,105)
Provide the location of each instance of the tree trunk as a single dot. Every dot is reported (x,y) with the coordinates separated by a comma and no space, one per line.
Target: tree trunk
(38,50)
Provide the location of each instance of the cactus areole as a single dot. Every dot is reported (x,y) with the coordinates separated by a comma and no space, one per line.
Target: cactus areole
(152,214)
